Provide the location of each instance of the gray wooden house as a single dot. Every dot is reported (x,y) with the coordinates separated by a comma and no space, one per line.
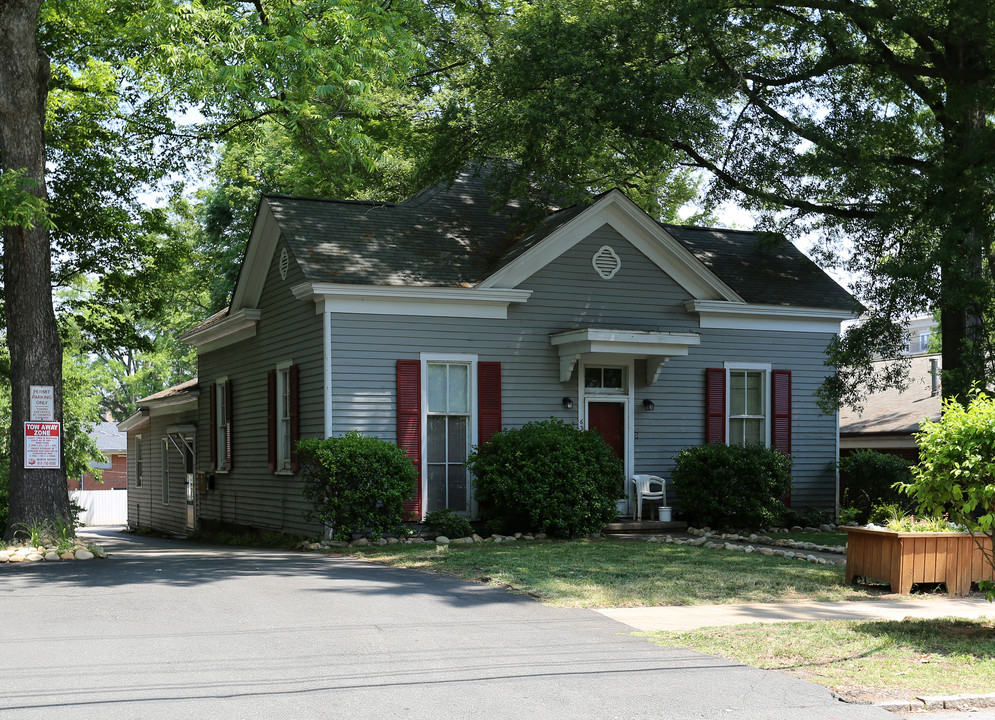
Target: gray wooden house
(438,321)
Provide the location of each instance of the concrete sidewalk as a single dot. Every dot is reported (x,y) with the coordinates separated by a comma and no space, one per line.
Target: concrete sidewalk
(688,617)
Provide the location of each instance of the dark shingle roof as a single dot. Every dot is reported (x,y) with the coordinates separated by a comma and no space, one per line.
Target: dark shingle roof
(453,235)
(449,235)
(783,275)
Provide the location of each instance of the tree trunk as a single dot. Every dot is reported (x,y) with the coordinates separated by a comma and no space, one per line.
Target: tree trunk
(36,495)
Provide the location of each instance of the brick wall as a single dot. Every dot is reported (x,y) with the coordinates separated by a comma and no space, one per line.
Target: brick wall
(114,477)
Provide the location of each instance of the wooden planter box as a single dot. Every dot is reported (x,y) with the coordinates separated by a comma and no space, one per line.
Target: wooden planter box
(904,558)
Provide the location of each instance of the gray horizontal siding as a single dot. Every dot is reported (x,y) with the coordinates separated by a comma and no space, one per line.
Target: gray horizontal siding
(250,494)
(568,294)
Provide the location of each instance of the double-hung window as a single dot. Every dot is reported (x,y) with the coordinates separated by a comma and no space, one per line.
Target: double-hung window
(448,391)
(221,417)
(283,417)
(748,407)
(139,461)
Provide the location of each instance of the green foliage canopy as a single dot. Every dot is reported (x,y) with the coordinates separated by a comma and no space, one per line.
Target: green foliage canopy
(866,124)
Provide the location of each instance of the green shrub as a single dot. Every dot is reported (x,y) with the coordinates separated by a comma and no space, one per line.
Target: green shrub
(868,478)
(732,486)
(955,476)
(547,477)
(356,484)
(447,522)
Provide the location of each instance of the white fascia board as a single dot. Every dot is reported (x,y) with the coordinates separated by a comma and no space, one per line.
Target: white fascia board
(139,419)
(409,300)
(616,210)
(240,325)
(258,256)
(720,315)
(896,440)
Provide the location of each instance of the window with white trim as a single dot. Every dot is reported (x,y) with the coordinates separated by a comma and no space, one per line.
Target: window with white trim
(748,406)
(605,380)
(139,461)
(283,416)
(448,410)
(221,416)
(165,472)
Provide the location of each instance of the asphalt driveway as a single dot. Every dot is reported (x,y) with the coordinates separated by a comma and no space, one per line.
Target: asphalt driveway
(171,630)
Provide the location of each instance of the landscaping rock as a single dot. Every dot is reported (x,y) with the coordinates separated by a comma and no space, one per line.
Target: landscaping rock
(52,555)
(441,540)
(359,542)
(477,538)
(67,555)
(34,557)
(84,555)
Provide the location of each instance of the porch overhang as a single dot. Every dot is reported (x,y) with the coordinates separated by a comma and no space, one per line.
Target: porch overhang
(655,347)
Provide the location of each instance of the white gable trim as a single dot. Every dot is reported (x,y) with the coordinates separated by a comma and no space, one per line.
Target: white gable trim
(239,325)
(646,235)
(404,300)
(742,316)
(258,255)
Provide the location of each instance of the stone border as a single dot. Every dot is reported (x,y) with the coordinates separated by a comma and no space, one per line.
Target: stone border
(941,702)
(745,544)
(49,553)
(417,540)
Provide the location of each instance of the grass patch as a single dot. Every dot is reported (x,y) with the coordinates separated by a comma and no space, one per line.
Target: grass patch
(861,659)
(605,573)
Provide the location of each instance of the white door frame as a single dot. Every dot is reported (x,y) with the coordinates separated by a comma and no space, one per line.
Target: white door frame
(626,398)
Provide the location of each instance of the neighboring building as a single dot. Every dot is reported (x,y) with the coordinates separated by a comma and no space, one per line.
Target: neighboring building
(114,468)
(890,418)
(918,334)
(440,320)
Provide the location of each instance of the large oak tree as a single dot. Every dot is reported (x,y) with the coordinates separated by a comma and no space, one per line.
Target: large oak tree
(866,123)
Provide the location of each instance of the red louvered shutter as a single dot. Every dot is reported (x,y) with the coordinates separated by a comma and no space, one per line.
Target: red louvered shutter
(229,435)
(780,400)
(271,418)
(293,375)
(488,400)
(715,405)
(409,424)
(214,425)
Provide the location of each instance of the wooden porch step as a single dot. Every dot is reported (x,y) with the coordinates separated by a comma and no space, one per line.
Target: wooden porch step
(644,526)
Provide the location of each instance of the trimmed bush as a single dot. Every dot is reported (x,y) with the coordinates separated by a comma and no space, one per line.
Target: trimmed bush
(732,486)
(547,477)
(868,479)
(447,522)
(356,484)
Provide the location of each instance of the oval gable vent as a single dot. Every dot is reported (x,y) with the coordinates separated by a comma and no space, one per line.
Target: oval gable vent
(284,264)
(606,262)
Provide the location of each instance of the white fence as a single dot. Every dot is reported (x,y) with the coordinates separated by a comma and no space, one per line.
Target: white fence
(102,507)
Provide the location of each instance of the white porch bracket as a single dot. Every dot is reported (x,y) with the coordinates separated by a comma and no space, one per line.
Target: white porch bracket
(655,347)
(654,364)
(567,364)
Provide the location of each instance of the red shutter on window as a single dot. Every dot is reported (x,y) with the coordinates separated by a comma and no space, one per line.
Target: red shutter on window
(229,453)
(488,400)
(293,375)
(214,425)
(271,418)
(715,405)
(409,424)
(780,400)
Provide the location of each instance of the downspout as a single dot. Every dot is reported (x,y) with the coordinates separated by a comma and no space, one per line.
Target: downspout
(327,368)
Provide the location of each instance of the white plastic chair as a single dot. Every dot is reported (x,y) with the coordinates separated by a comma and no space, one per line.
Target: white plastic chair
(648,487)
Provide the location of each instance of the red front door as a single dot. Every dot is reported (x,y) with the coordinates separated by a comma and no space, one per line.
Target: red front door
(608,418)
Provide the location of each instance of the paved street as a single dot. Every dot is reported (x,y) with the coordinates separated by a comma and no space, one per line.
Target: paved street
(166,630)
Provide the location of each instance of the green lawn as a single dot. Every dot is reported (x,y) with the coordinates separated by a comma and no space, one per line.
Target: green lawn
(862,660)
(611,573)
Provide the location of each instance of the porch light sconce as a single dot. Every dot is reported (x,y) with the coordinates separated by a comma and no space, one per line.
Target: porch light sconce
(568,404)
(648,405)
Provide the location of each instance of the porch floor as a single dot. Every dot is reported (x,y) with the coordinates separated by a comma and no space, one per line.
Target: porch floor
(649,527)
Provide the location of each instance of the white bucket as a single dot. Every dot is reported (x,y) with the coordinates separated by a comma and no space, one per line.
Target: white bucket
(665,513)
